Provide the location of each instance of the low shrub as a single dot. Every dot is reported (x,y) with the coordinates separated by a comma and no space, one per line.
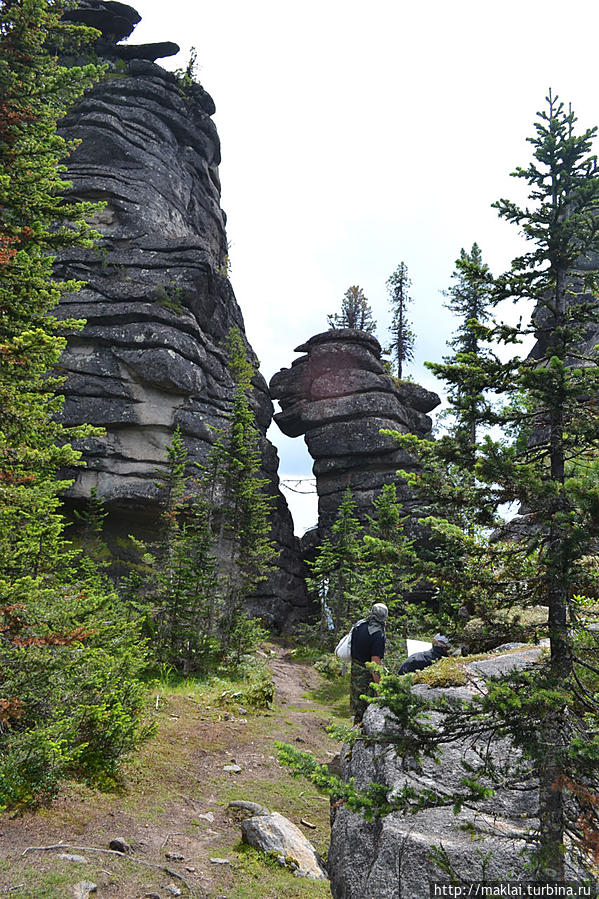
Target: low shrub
(71,694)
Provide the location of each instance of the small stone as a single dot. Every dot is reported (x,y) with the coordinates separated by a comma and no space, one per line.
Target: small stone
(241,710)
(232,769)
(220,861)
(119,845)
(191,869)
(67,857)
(207,817)
(175,856)
(152,896)
(173,890)
(84,888)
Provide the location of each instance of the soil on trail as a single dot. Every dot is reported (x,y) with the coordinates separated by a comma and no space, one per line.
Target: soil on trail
(172,807)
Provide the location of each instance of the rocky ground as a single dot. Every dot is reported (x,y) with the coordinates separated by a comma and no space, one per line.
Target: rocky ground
(171,808)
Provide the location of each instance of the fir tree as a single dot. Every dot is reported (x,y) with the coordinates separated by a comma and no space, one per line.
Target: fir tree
(549,713)
(336,573)
(70,700)
(185,591)
(238,497)
(563,225)
(35,224)
(402,336)
(470,298)
(355,312)
(388,563)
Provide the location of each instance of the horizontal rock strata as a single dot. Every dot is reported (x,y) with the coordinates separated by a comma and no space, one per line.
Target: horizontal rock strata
(157,300)
(339,397)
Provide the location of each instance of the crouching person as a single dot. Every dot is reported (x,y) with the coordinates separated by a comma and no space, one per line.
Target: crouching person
(419,660)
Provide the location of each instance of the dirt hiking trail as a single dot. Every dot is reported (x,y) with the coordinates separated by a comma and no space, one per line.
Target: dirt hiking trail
(171,808)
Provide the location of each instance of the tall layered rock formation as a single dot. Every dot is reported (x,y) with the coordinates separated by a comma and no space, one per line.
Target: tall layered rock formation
(157,301)
(339,397)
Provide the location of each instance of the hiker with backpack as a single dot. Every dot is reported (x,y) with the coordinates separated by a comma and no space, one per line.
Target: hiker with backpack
(367,645)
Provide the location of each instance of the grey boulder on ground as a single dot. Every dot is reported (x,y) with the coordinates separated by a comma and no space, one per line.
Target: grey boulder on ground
(277,835)
(394,857)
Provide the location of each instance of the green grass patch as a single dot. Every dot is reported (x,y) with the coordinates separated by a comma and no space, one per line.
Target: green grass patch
(46,876)
(257,875)
(333,695)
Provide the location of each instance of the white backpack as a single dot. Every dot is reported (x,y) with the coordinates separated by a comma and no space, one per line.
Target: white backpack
(343,648)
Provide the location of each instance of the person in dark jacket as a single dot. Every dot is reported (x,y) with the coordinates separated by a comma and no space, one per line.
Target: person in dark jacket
(367,645)
(419,660)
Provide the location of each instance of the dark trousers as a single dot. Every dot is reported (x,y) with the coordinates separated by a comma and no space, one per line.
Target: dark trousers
(360,681)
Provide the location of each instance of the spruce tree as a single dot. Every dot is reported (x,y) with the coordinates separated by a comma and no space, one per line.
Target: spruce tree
(388,563)
(184,594)
(550,712)
(35,224)
(237,494)
(561,381)
(470,296)
(70,701)
(402,335)
(335,575)
(355,312)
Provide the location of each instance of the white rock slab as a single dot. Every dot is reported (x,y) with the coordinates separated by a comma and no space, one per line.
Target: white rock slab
(276,834)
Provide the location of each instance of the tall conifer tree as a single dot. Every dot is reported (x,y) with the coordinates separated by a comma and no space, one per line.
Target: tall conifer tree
(69,699)
(469,297)
(402,335)
(237,492)
(550,712)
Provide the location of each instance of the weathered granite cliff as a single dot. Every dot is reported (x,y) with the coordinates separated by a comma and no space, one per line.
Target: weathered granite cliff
(339,396)
(393,857)
(158,302)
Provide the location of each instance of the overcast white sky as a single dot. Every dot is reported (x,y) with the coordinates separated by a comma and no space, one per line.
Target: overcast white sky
(355,136)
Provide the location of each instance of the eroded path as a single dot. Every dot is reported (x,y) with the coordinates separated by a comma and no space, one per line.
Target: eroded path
(172,808)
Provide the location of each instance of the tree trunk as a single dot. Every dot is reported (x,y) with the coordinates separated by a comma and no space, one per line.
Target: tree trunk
(551,775)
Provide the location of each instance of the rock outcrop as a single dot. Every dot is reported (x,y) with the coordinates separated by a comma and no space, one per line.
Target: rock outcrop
(339,396)
(392,858)
(157,299)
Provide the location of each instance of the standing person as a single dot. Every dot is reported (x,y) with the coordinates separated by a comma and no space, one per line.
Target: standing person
(419,660)
(367,645)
